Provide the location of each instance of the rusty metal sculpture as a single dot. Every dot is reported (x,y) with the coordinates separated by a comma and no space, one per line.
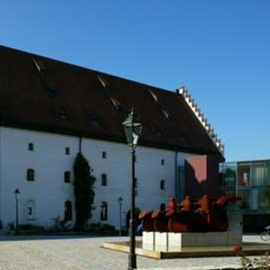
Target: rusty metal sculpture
(204,215)
(147,221)
(160,217)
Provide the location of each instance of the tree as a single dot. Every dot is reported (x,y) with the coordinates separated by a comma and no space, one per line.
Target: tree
(83,190)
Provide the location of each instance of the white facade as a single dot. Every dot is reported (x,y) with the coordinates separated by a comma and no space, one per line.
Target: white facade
(47,194)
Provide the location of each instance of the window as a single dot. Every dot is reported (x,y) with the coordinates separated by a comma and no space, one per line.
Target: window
(103,211)
(30,175)
(67,150)
(68,211)
(162,185)
(167,115)
(39,65)
(162,162)
(157,132)
(243,173)
(180,138)
(94,120)
(30,146)
(62,115)
(30,210)
(67,177)
(104,155)
(116,103)
(162,207)
(153,95)
(103,82)
(104,179)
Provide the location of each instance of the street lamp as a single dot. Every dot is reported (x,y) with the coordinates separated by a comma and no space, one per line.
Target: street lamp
(133,129)
(17,192)
(120,201)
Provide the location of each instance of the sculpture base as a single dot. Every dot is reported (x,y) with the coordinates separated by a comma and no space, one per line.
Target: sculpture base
(208,239)
(173,252)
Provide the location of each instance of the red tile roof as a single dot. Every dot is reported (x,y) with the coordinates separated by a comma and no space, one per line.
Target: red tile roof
(39,93)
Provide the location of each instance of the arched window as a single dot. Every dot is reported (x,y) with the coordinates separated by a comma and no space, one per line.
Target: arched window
(104,181)
(30,210)
(162,184)
(68,211)
(30,175)
(163,207)
(103,211)
(67,177)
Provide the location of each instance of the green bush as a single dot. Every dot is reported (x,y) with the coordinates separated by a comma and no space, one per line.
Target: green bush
(101,227)
(83,190)
(30,227)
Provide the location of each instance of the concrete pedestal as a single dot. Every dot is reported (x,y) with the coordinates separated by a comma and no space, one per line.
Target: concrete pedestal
(192,239)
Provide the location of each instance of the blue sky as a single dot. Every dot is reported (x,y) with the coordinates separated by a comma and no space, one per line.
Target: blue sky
(219,49)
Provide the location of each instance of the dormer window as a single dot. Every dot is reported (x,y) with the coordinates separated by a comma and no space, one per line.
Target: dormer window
(154,96)
(181,138)
(94,120)
(62,115)
(117,105)
(158,133)
(167,115)
(102,81)
(38,64)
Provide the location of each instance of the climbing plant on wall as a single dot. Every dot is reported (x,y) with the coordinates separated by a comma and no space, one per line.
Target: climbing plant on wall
(83,190)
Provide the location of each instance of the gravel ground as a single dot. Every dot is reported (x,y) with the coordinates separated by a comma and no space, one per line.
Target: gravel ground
(84,253)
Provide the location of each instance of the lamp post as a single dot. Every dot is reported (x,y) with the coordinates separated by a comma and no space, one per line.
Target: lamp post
(133,129)
(17,192)
(120,201)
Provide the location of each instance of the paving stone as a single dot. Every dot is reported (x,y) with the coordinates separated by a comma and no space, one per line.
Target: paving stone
(85,253)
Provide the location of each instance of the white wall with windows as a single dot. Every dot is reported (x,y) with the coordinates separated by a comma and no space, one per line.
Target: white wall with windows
(43,199)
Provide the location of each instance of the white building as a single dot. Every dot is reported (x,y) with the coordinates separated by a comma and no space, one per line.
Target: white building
(49,111)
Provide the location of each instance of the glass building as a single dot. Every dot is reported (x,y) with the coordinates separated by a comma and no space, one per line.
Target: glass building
(249,180)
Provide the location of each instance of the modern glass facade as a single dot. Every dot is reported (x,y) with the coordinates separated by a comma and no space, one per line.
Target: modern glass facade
(250,180)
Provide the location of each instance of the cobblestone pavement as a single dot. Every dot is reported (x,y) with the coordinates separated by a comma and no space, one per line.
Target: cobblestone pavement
(84,253)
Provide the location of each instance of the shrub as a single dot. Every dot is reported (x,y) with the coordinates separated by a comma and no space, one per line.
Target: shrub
(262,263)
(30,227)
(83,190)
(101,227)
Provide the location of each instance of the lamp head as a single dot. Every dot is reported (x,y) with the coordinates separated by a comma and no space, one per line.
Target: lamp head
(133,129)
(120,200)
